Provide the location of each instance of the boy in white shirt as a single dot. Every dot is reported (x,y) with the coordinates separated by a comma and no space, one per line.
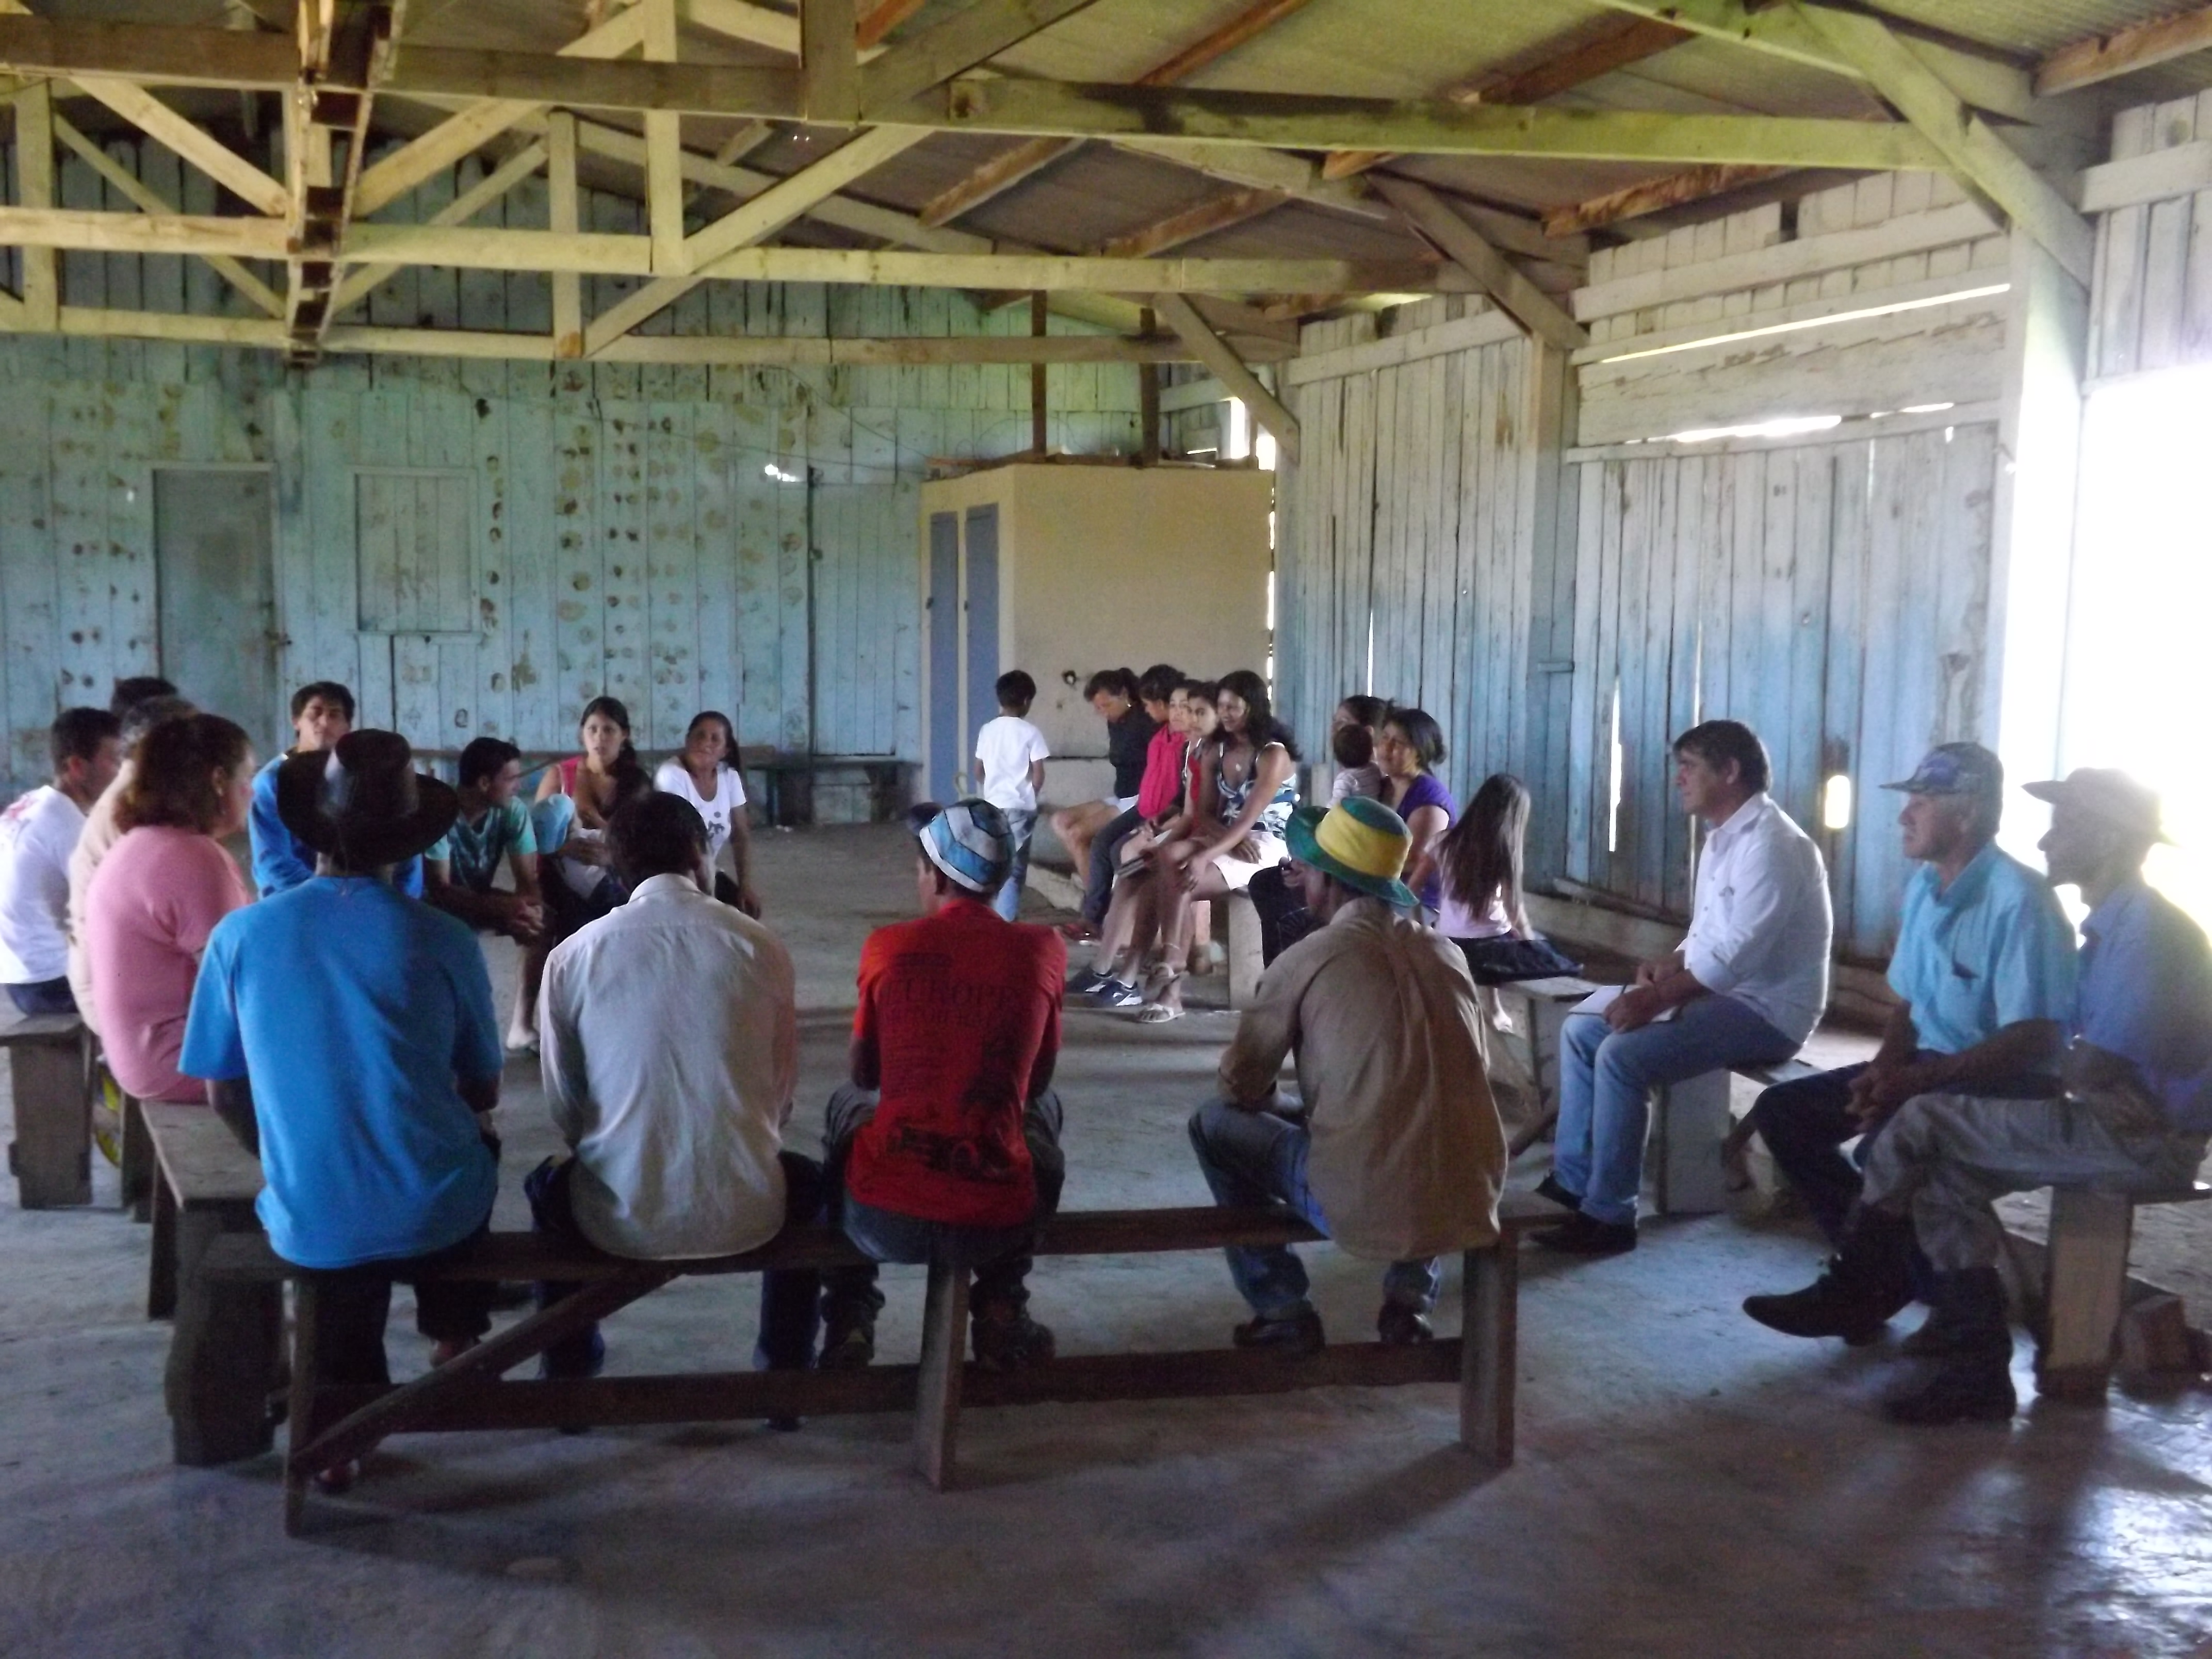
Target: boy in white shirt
(38,832)
(1010,757)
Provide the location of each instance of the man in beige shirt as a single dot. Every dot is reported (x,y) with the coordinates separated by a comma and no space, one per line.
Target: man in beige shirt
(1392,1146)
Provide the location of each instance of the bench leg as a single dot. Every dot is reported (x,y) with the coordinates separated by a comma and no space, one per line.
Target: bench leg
(1693,1121)
(2086,1278)
(1245,961)
(139,1172)
(299,1415)
(161,1254)
(222,1353)
(936,1398)
(52,1153)
(1488,1359)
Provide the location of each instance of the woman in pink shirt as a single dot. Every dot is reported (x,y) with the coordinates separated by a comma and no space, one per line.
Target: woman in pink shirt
(158,895)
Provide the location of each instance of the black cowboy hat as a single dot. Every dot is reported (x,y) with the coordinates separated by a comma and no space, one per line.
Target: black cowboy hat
(363,801)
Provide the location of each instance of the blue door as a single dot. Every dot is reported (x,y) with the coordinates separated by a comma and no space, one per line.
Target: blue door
(943,603)
(983,590)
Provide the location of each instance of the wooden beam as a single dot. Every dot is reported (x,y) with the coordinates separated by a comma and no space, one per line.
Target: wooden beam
(1003,173)
(882,18)
(1981,159)
(35,189)
(127,185)
(1178,315)
(564,216)
(741,21)
(663,147)
(1528,305)
(974,35)
(2101,57)
(1040,376)
(829,64)
(148,52)
(388,180)
(756,221)
(218,160)
(134,232)
(1203,219)
(1653,195)
(459,211)
(1618,42)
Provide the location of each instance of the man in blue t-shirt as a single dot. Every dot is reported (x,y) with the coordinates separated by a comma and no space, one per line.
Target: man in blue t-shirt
(322,713)
(347,1035)
(1983,972)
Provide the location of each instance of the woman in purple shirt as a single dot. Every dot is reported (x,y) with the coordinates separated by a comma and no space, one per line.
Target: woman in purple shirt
(1411,748)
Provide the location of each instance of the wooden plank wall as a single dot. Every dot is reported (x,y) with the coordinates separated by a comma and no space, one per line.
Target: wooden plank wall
(621,529)
(2153,304)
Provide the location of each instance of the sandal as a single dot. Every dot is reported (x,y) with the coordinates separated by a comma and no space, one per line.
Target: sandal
(1157,1013)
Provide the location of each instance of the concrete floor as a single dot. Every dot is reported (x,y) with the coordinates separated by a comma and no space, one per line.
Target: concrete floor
(1687,1483)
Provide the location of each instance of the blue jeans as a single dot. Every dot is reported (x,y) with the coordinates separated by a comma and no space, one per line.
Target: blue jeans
(1258,1158)
(998,1256)
(1606,1079)
(1105,854)
(47,996)
(1007,901)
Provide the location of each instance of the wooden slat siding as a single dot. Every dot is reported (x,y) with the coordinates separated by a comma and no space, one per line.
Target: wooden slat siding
(27,580)
(134,612)
(1596,779)
(1876,863)
(1843,676)
(759,651)
(794,645)
(1591,493)
(1963,547)
(80,525)
(326,647)
(484,667)
(530,660)
(2120,276)
(1684,646)
(1799,778)
(623,551)
(714,511)
(671,561)
(1655,843)
(580,602)
(1638,500)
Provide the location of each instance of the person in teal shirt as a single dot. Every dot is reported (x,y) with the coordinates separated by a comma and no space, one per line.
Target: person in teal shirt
(492,827)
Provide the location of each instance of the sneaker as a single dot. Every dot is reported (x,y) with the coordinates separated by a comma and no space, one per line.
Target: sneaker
(1008,1340)
(1401,1326)
(1549,1188)
(1088,983)
(1585,1235)
(848,1347)
(1297,1333)
(1116,993)
(522,1042)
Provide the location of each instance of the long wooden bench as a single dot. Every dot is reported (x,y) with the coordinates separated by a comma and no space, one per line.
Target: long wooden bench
(329,1423)
(2076,1318)
(226,1352)
(50,1064)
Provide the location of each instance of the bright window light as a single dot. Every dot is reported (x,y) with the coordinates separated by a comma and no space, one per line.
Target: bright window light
(1787,426)
(1263,452)
(777,473)
(1925,409)
(1612,815)
(1829,321)
(1236,431)
(2133,694)
(1836,802)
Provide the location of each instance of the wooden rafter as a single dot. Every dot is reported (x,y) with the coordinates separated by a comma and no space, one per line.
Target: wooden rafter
(1617,44)
(972,35)
(880,19)
(2102,57)
(1002,173)
(1216,213)
(1982,160)
(664,146)
(564,204)
(829,62)
(1431,217)
(35,189)
(325,134)
(1230,370)
(1653,196)
(493,184)
(210,154)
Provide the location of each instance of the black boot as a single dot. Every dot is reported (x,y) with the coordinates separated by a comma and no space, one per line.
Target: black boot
(1972,1382)
(1867,1281)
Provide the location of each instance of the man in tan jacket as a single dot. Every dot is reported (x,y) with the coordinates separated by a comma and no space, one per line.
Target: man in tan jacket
(1392,1145)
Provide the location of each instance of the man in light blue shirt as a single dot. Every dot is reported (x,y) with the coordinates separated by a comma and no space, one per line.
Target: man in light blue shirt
(2135,1115)
(1983,972)
(322,713)
(348,1036)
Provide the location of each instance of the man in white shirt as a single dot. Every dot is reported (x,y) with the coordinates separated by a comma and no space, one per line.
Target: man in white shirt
(1010,757)
(669,1035)
(1747,987)
(38,832)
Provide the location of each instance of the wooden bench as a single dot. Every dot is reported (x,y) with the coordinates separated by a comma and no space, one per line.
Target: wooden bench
(2085,1285)
(226,1352)
(50,1062)
(329,1423)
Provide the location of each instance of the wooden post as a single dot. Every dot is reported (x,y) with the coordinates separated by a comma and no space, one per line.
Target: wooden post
(300,1418)
(1148,397)
(2088,1255)
(1039,385)
(1489,1344)
(139,1175)
(51,1155)
(221,1357)
(161,1255)
(937,1389)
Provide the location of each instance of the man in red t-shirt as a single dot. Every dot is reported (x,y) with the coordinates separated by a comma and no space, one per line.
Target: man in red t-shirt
(946,1145)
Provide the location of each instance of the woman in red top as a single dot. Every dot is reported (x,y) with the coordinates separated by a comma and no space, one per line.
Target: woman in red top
(1094,833)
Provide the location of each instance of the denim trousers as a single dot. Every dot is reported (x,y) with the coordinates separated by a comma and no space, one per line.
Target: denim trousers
(1606,1081)
(1105,855)
(45,996)
(352,1306)
(1000,1257)
(1258,1158)
(787,1295)
(1007,901)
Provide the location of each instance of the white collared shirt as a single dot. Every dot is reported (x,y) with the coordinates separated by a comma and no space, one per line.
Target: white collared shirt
(1762,927)
(669,1035)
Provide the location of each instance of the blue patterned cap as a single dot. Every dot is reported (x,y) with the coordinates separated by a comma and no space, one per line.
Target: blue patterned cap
(971,842)
(1955,768)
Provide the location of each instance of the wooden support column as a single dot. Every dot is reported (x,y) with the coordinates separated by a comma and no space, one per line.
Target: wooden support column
(663,151)
(1040,382)
(562,215)
(829,64)
(2031,527)
(1214,352)
(1148,397)
(34,188)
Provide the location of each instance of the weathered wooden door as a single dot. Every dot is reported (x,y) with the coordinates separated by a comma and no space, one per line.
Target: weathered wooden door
(980,585)
(212,534)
